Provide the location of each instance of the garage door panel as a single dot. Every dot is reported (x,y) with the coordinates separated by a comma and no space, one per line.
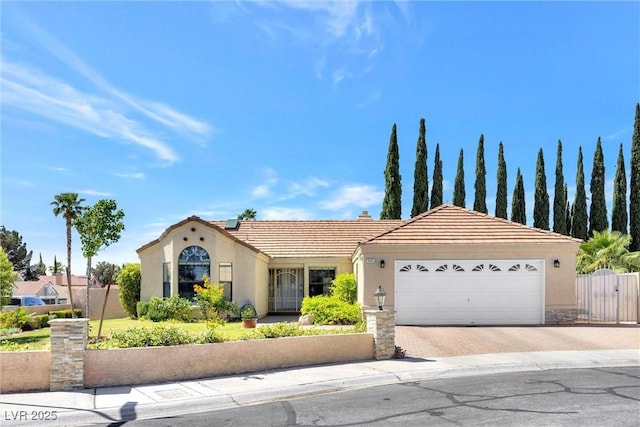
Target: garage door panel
(469,292)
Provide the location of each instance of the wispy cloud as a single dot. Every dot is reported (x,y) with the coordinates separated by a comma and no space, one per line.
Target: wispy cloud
(132,175)
(343,36)
(359,195)
(91,192)
(108,112)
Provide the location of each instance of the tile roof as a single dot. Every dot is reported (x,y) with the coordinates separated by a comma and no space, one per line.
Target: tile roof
(448,224)
(31,287)
(308,238)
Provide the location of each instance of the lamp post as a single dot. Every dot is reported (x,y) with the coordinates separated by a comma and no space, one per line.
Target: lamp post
(380,296)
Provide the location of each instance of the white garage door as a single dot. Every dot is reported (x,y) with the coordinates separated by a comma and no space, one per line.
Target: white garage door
(465,292)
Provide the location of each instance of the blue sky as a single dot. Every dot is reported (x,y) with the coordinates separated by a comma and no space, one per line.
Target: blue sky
(208,108)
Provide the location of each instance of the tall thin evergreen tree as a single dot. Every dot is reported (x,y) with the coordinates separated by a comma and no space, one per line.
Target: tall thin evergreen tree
(579,217)
(619,212)
(458,185)
(392,204)
(634,186)
(559,196)
(518,207)
(480,200)
(501,192)
(420,178)
(568,211)
(436,189)
(598,213)
(541,202)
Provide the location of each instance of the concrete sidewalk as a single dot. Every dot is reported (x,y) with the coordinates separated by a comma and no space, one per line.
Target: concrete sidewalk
(107,405)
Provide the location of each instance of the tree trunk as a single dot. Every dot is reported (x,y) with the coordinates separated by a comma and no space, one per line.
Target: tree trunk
(73,313)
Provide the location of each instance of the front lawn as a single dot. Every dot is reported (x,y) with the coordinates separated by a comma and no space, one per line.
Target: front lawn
(40,339)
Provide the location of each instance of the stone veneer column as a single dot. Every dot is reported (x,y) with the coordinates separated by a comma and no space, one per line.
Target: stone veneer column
(382,324)
(68,342)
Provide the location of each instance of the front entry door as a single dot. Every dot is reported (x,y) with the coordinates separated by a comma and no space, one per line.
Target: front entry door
(286,290)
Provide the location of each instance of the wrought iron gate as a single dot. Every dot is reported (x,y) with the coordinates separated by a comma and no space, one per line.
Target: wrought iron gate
(605,296)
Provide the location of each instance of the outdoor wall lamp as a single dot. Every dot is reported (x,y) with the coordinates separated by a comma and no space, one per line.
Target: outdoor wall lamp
(380,296)
(381,263)
(556,263)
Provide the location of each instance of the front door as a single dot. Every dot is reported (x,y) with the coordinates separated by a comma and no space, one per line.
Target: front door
(286,290)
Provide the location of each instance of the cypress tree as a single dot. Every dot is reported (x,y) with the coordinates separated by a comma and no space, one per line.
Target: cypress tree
(420,178)
(559,197)
(458,184)
(568,211)
(598,213)
(392,204)
(634,186)
(518,208)
(436,189)
(480,201)
(579,209)
(619,212)
(541,203)
(501,193)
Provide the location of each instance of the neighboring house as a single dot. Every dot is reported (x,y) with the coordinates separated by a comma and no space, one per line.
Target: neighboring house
(52,289)
(448,265)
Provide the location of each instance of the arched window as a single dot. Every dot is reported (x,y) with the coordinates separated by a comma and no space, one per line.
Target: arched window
(193,265)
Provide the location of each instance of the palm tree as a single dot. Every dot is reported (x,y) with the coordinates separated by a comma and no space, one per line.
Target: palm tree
(607,249)
(248,214)
(70,207)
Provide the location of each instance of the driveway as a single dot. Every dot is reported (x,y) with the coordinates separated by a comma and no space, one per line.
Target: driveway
(432,341)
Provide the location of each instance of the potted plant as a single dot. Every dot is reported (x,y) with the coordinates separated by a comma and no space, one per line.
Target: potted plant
(249,316)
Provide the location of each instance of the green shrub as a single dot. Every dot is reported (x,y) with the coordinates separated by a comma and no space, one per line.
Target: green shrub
(213,305)
(36,322)
(344,287)
(65,314)
(171,308)
(331,310)
(159,336)
(129,288)
(142,308)
(279,330)
(14,319)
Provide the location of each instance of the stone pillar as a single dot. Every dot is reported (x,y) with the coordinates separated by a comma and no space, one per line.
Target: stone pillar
(382,324)
(68,342)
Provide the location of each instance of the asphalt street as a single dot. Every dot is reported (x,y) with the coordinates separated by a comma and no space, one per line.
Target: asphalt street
(568,397)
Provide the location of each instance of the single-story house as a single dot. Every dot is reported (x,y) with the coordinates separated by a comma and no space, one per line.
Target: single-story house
(51,289)
(447,266)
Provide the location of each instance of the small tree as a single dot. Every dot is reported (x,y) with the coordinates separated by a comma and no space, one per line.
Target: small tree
(634,185)
(6,278)
(99,226)
(40,269)
(607,249)
(106,273)
(17,253)
(57,266)
(128,282)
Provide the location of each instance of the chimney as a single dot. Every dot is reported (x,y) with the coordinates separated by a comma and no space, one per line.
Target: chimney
(58,279)
(364,216)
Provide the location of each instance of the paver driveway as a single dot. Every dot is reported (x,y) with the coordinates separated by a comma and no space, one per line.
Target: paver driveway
(431,341)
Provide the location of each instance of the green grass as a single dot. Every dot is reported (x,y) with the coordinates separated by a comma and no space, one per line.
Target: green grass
(40,339)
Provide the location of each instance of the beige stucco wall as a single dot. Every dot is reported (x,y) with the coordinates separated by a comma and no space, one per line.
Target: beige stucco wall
(249,266)
(113,309)
(154,364)
(559,282)
(24,371)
